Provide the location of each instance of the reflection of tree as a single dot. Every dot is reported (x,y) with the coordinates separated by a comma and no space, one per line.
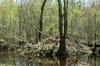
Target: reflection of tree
(67,61)
(62,62)
(6,59)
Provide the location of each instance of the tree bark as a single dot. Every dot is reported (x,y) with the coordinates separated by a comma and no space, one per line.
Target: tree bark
(41,20)
(65,18)
(62,28)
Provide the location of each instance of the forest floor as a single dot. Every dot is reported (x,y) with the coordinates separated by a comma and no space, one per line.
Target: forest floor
(47,47)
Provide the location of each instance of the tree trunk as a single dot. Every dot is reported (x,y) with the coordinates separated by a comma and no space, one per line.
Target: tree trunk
(62,46)
(65,19)
(41,20)
(60,27)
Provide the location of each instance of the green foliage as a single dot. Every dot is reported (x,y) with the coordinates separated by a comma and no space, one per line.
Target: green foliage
(22,20)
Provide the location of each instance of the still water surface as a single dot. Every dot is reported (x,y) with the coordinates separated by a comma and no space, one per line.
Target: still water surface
(9,59)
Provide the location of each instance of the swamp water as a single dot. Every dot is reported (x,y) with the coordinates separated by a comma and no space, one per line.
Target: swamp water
(10,59)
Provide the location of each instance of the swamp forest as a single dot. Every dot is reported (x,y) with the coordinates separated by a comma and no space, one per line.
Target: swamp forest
(49,32)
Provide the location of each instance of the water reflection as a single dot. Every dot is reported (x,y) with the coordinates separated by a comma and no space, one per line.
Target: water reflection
(13,60)
(62,62)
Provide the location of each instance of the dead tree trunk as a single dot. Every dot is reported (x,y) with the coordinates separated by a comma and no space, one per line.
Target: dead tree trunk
(41,20)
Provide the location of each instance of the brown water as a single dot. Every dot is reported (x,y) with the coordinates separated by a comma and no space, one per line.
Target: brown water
(9,59)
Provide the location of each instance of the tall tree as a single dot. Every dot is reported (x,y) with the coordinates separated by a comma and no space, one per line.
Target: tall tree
(41,20)
(65,22)
(62,27)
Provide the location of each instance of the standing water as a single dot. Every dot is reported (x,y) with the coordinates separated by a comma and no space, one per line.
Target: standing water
(10,59)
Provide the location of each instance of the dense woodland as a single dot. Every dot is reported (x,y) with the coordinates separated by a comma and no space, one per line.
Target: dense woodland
(41,22)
